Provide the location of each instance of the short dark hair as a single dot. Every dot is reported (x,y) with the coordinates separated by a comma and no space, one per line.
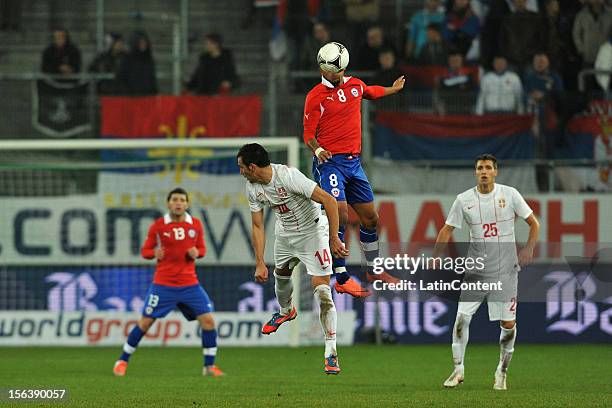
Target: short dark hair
(254,153)
(177,190)
(486,156)
(215,37)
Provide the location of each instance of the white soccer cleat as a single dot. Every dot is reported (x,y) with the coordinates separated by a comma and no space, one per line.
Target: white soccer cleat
(500,381)
(455,378)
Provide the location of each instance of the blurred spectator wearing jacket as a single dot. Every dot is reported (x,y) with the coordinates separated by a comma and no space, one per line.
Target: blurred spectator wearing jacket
(603,62)
(461,26)
(591,28)
(367,54)
(435,50)
(109,61)
(137,72)
(501,90)
(61,57)
(521,35)
(419,24)
(216,71)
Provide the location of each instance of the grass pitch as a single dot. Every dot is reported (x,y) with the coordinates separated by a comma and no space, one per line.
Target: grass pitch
(390,376)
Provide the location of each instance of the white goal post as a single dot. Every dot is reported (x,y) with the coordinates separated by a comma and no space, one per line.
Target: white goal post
(32,164)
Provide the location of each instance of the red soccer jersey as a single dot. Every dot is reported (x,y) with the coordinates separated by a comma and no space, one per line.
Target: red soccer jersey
(333,114)
(176,268)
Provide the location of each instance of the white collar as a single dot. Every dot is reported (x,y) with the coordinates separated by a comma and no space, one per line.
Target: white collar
(330,85)
(188,218)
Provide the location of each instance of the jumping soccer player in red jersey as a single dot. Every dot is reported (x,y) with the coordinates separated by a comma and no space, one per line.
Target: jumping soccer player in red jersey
(332,130)
(176,240)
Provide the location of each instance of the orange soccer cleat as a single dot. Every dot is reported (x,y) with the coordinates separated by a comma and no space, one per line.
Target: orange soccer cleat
(352,288)
(120,368)
(276,320)
(331,365)
(212,371)
(384,277)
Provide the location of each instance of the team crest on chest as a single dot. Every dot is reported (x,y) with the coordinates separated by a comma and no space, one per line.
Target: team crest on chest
(282,193)
(191,233)
(501,202)
(354,92)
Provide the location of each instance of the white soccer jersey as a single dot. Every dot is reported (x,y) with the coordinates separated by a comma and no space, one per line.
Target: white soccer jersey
(288,193)
(491,221)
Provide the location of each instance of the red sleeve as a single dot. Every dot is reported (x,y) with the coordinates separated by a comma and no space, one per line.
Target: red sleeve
(312,114)
(148,249)
(200,244)
(373,92)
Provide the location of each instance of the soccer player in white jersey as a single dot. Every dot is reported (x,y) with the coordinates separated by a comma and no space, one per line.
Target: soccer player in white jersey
(303,234)
(489,209)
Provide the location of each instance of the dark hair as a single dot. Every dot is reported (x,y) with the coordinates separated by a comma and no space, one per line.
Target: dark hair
(435,26)
(177,190)
(214,37)
(486,156)
(254,153)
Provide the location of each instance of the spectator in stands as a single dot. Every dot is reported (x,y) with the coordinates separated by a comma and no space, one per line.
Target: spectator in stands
(61,57)
(603,62)
(461,26)
(367,54)
(10,14)
(541,81)
(216,71)
(590,31)
(489,47)
(109,62)
(419,26)
(456,87)
(435,50)
(388,70)
(543,89)
(320,36)
(137,72)
(521,35)
(559,43)
(360,15)
(501,90)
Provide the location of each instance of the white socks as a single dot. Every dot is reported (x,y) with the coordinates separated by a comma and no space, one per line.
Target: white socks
(283,287)
(506,347)
(328,317)
(461,334)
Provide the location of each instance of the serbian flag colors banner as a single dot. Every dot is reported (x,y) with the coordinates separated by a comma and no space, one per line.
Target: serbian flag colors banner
(424,136)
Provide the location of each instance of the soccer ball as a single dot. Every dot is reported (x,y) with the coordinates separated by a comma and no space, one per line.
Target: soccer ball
(333,57)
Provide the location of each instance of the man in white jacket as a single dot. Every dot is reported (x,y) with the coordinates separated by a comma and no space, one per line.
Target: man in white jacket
(604,63)
(501,90)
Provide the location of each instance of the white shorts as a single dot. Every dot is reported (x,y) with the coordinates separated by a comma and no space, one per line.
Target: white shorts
(498,309)
(311,248)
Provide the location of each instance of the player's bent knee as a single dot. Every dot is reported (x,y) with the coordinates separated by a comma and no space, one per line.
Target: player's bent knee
(508,324)
(207,321)
(145,323)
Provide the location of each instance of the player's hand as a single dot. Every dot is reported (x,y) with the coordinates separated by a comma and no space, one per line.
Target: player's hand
(324,156)
(261,273)
(525,256)
(193,252)
(338,248)
(159,253)
(398,85)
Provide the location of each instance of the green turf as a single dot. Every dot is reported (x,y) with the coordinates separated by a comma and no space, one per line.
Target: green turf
(391,376)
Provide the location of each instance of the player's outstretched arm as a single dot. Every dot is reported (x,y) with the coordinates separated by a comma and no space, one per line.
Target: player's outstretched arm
(331,209)
(526,254)
(259,245)
(397,86)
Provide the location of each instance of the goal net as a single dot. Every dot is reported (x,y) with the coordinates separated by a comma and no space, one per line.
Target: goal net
(74,215)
